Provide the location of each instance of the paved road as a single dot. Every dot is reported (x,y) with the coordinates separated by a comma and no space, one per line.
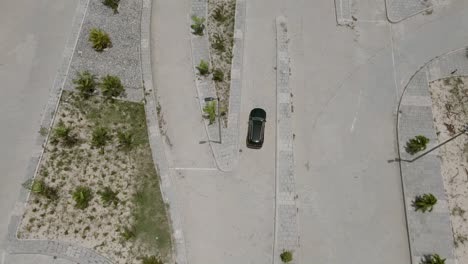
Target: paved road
(346,83)
(32,39)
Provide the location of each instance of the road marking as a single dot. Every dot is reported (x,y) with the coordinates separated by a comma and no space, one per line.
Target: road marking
(397,95)
(200,169)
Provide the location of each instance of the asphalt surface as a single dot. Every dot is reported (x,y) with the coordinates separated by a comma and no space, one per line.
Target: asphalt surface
(32,40)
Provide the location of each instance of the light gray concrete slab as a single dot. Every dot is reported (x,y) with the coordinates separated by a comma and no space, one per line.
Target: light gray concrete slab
(33,35)
(34,259)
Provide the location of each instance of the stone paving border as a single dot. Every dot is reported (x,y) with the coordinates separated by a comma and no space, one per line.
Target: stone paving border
(226,154)
(431,232)
(399,10)
(343,12)
(286,225)
(47,247)
(155,137)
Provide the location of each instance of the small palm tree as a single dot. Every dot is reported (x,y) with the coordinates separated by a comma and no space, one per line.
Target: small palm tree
(113,4)
(286,256)
(99,39)
(108,196)
(218,75)
(64,134)
(198,25)
(126,140)
(433,259)
(203,68)
(425,202)
(100,137)
(210,110)
(111,86)
(82,195)
(85,83)
(416,144)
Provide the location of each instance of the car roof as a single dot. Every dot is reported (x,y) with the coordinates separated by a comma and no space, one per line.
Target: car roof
(258,112)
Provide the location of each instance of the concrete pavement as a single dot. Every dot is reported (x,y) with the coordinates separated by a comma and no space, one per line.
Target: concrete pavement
(32,40)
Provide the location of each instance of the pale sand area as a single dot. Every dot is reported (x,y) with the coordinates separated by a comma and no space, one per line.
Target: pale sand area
(450,111)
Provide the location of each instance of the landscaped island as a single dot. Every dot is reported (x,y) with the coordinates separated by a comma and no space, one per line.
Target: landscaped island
(96,185)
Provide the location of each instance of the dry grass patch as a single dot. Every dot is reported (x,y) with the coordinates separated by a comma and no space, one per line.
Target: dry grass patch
(108,195)
(450,110)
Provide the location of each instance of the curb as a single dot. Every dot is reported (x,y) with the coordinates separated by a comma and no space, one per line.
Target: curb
(389,8)
(286,210)
(154,135)
(48,247)
(427,233)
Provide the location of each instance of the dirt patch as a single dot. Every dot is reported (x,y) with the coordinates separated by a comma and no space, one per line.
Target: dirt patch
(220,25)
(132,221)
(450,110)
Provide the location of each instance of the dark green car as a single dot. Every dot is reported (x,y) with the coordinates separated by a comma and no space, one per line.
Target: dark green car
(255,133)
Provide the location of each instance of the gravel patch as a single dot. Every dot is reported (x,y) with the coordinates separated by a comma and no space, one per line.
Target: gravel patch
(123,58)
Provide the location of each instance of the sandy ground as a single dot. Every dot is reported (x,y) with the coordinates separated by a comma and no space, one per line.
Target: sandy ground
(98,226)
(450,110)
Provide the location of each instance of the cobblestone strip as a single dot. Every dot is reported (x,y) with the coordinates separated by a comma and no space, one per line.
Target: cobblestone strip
(343,12)
(47,247)
(429,233)
(286,226)
(226,153)
(398,10)
(154,134)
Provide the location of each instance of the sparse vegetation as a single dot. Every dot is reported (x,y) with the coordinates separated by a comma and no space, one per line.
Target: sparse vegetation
(126,140)
(113,4)
(99,39)
(416,144)
(82,195)
(108,196)
(432,259)
(425,202)
(39,187)
(128,233)
(219,13)
(198,25)
(203,68)
(64,134)
(43,131)
(218,43)
(100,137)
(151,260)
(111,86)
(218,75)
(85,83)
(286,256)
(210,110)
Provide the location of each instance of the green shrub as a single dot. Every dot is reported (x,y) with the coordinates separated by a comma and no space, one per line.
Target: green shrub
(41,188)
(113,4)
(128,233)
(286,256)
(126,140)
(218,75)
(416,144)
(111,86)
(198,25)
(64,134)
(218,43)
(151,260)
(203,68)
(210,110)
(108,196)
(82,195)
(85,83)
(433,259)
(219,14)
(99,39)
(425,202)
(100,137)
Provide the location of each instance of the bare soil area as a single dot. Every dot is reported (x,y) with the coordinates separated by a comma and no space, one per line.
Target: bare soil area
(125,218)
(450,110)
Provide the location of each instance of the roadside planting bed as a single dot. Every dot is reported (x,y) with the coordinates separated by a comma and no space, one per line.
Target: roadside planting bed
(450,110)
